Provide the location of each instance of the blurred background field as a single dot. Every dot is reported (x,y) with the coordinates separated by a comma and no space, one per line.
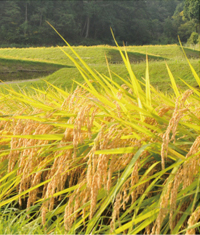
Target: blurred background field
(52,65)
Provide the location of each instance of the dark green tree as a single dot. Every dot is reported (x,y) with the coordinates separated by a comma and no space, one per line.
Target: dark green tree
(10,21)
(89,21)
(191,12)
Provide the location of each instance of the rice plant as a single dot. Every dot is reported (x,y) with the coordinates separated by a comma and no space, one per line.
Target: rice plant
(103,158)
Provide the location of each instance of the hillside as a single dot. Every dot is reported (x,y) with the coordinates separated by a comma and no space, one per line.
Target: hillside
(53,65)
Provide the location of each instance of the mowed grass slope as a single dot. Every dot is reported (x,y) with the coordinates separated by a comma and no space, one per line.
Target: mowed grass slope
(54,54)
(65,77)
(169,51)
(94,56)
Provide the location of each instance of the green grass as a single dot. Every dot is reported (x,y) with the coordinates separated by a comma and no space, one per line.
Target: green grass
(168,51)
(50,62)
(15,221)
(92,54)
(159,78)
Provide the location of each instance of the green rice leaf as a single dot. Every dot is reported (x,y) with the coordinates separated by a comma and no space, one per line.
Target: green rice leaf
(148,90)
(148,218)
(174,86)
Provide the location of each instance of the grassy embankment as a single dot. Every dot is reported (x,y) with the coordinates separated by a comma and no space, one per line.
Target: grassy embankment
(15,69)
(95,57)
(117,159)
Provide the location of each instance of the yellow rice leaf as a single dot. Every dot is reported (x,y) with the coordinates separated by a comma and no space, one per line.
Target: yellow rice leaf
(191,87)
(139,128)
(192,126)
(101,98)
(143,225)
(39,137)
(81,69)
(61,192)
(176,154)
(135,85)
(3,154)
(65,147)
(148,90)
(4,119)
(116,151)
(126,137)
(192,69)
(196,225)
(95,77)
(64,125)
(67,190)
(30,118)
(35,104)
(66,94)
(107,85)
(138,220)
(4,202)
(124,80)
(174,86)
(7,175)
(30,147)
(108,67)
(163,98)
(64,114)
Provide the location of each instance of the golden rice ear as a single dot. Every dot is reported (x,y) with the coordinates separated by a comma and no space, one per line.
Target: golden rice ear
(193,220)
(103,160)
(179,112)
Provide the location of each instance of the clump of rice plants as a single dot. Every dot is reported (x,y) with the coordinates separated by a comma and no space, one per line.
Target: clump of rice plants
(104,158)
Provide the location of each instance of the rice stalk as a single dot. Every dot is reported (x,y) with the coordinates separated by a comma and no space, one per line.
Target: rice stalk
(103,159)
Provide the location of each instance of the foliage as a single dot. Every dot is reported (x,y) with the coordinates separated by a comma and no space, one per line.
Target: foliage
(191,10)
(185,30)
(105,158)
(88,22)
(193,39)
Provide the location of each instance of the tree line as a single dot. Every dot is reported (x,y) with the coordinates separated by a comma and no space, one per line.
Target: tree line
(88,22)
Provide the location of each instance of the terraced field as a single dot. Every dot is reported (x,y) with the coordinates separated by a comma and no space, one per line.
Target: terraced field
(52,65)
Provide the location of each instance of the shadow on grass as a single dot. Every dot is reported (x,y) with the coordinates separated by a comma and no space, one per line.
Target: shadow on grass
(15,69)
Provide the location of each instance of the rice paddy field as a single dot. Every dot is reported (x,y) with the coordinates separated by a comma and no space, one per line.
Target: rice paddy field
(52,65)
(100,146)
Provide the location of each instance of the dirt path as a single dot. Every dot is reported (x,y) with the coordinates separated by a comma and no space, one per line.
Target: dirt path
(19,81)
